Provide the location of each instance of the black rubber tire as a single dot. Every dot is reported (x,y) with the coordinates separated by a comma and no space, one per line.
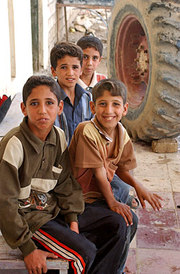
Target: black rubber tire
(157,115)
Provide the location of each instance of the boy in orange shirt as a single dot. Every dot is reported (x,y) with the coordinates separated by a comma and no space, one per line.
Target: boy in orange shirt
(101,148)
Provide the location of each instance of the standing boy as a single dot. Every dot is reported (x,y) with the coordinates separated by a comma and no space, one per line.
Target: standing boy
(66,61)
(101,147)
(40,201)
(92,48)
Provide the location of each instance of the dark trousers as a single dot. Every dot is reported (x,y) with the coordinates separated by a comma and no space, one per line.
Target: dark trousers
(100,246)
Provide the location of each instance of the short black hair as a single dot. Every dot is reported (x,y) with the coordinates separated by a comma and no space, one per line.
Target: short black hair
(40,80)
(60,50)
(91,42)
(114,86)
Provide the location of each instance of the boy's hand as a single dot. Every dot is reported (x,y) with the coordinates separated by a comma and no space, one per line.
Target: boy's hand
(74,227)
(143,194)
(105,188)
(152,198)
(123,210)
(36,261)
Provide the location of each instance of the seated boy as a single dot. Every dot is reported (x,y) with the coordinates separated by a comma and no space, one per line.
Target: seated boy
(66,61)
(92,48)
(40,201)
(101,147)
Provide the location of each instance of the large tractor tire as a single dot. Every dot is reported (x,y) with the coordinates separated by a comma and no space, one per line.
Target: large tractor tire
(144,53)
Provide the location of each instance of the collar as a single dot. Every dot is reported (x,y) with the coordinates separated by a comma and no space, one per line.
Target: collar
(94,80)
(107,138)
(79,91)
(104,133)
(35,142)
(100,130)
(82,84)
(92,84)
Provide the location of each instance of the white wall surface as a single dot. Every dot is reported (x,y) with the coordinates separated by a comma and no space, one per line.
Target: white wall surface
(23,46)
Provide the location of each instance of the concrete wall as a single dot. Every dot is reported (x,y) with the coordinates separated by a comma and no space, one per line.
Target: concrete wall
(15,46)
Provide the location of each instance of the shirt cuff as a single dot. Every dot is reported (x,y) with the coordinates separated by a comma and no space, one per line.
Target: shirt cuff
(71,218)
(27,247)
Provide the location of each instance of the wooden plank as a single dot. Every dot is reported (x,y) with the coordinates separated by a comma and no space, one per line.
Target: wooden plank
(11,38)
(35,33)
(13,259)
(86,4)
(18,264)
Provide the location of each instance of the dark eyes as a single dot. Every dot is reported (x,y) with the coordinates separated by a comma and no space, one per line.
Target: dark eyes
(74,67)
(33,103)
(86,57)
(102,104)
(37,103)
(50,103)
(105,104)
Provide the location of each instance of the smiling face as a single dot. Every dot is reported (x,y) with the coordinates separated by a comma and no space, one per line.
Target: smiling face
(91,59)
(109,110)
(68,71)
(41,108)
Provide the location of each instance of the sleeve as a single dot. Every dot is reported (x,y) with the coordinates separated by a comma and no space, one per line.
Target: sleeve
(85,149)
(128,160)
(13,226)
(68,191)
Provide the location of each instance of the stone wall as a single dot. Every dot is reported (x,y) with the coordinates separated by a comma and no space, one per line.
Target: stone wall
(56,22)
(52,23)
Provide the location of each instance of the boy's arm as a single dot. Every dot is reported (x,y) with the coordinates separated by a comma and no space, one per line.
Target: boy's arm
(105,188)
(128,162)
(13,226)
(142,193)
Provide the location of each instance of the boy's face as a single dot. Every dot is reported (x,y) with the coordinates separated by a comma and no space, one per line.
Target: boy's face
(91,59)
(68,71)
(109,110)
(41,108)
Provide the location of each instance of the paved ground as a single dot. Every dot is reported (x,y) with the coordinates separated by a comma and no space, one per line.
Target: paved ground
(156,248)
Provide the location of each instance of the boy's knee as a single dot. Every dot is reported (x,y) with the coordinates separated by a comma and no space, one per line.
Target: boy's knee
(119,227)
(134,226)
(122,230)
(135,219)
(90,252)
